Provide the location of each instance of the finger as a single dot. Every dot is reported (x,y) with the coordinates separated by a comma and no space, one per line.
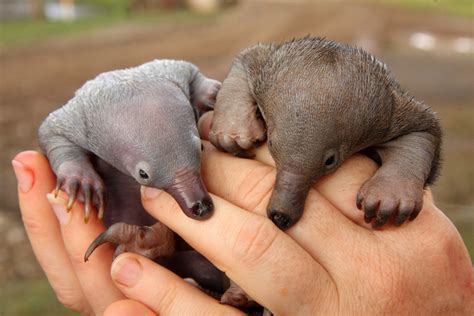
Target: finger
(93,275)
(249,184)
(127,308)
(204,124)
(161,290)
(251,251)
(43,230)
(244,182)
(263,155)
(341,187)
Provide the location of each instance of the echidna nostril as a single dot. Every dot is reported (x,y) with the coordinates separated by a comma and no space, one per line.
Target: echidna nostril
(202,209)
(282,220)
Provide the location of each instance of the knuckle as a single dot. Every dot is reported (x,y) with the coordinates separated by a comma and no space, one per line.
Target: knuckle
(70,298)
(440,246)
(256,188)
(254,240)
(166,297)
(77,257)
(32,224)
(388,283)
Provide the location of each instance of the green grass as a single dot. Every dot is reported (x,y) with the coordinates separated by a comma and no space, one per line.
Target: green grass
(30,298)
(451,7)
(18,32)
(27,31)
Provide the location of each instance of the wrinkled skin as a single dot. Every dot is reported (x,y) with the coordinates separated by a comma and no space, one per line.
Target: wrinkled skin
(138,123)
(134,127)
(337,263)
(317,103)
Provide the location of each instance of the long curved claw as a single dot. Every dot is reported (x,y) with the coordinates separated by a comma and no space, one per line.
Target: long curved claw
(118,233)
(416,210)
(102,202)
(58,187)
(73,189)
(101,239)
(382,218)
(151,242)
(370,210)
(101,211)
(401,218)
(87,189)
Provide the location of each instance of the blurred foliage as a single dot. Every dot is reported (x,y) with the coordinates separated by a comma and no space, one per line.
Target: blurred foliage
(26,31)
(465,226)
(457,182)
(113,6)
(108,13)
(455,7)
(30,298)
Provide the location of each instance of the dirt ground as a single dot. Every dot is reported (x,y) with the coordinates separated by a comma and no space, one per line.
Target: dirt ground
(40,77)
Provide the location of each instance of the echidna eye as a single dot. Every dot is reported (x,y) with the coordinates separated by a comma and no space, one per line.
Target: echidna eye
(330,161)
(143,174)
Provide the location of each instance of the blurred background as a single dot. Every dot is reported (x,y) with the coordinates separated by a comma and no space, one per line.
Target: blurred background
(48,49)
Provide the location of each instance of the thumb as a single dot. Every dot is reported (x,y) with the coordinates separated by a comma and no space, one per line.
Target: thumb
(161,290)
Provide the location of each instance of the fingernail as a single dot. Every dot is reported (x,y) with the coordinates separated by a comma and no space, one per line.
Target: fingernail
(150,193)
(126,271)
(24,176)
(59,207)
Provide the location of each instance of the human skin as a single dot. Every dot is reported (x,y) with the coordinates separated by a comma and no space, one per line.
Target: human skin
(330,262)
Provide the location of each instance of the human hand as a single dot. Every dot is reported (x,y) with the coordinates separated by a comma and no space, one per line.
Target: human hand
(338,264)
(59,243)
(59,246)
(330,262)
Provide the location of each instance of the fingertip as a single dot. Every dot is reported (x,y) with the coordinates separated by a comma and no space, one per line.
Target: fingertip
(27,154)
(24,176)
(263,155)
(126,270)
(58,205)
(204,124)
(149,193)
(38,165)
(127,307)
(161,290)
(31,158)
